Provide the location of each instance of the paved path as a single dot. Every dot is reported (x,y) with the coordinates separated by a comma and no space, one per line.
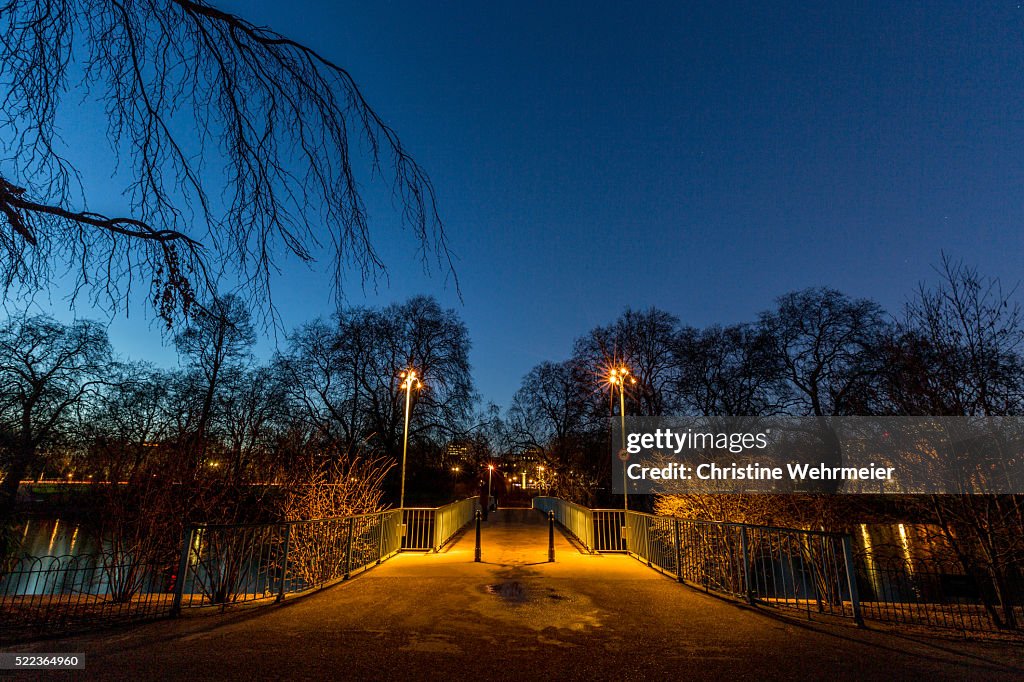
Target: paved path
(516,617)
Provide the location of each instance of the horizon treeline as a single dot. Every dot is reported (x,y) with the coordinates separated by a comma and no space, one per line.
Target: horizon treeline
(68,406)
(955,349)
(328,407)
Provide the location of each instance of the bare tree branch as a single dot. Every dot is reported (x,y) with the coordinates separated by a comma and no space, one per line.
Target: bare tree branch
(194,98)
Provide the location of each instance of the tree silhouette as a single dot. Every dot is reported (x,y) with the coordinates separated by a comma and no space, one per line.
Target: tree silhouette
(46,368)
(238,145)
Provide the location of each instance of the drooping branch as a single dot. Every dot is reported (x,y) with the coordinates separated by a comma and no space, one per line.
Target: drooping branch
(14,206)
(194,98)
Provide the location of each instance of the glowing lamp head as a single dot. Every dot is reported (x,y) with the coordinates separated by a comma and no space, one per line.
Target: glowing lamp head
(409,379)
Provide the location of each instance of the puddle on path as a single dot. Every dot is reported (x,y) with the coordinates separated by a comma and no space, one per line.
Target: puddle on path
(520,596)
(511,591)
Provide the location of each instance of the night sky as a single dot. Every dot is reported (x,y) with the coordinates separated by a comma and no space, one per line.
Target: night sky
(699,158)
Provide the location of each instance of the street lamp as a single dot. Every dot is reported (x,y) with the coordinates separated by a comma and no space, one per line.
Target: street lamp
(490,470)
(409,381)
(618,377)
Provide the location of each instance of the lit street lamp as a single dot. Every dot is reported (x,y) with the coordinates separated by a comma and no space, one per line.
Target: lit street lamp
(617,377)
(409,381)
(490,470)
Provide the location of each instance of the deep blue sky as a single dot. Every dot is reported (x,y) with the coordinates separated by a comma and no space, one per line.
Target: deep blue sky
(699,158)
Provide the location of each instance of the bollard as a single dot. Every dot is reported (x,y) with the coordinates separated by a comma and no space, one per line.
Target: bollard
(551,535)
(477,555)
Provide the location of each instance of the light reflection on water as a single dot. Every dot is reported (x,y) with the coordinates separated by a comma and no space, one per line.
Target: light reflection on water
(62,557)
(54,537)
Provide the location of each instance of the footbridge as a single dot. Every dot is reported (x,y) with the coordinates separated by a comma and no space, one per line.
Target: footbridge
(555,591)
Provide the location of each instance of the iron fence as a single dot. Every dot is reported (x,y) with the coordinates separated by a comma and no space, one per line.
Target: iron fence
(609,525)
(237,563)
(450,519)
(810,571)
(598,530)
(783,567)
(577,520)
(935,593)
(431,528)
(217,565)
(61,594)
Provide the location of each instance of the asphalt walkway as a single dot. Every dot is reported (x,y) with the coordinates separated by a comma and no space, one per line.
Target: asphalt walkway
(516,617)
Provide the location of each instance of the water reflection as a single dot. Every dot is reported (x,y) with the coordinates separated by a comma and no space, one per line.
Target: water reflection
(54,537)
(61,557)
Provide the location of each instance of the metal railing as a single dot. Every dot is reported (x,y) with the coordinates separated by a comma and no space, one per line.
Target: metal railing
(608,530)
(236,563)
(59,594)
(811,571)
(577,520)
(450,519)
(934,593)
(431,528)
(785,567)
(598,530)
(217,565)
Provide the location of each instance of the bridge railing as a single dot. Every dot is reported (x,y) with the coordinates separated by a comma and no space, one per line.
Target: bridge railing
(785,567)
(576,519)
(47,595)
(216,565)
(234,563)
(431,528)
(811,571)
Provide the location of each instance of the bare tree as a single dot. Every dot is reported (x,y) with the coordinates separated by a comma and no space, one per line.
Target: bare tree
(250,406)
(827,345)
(217,338)
(957,350)
(126,421)
(727,371)
(46,368)
(238,145)
(643,341)
(557,415)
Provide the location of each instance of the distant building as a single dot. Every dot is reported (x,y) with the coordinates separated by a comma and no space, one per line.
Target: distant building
(525,468)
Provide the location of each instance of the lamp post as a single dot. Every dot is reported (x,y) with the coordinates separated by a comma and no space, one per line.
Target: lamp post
(409,381)
(617,377)
(490,470)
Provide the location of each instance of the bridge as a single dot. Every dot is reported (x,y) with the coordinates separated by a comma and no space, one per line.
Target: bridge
(514,614)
